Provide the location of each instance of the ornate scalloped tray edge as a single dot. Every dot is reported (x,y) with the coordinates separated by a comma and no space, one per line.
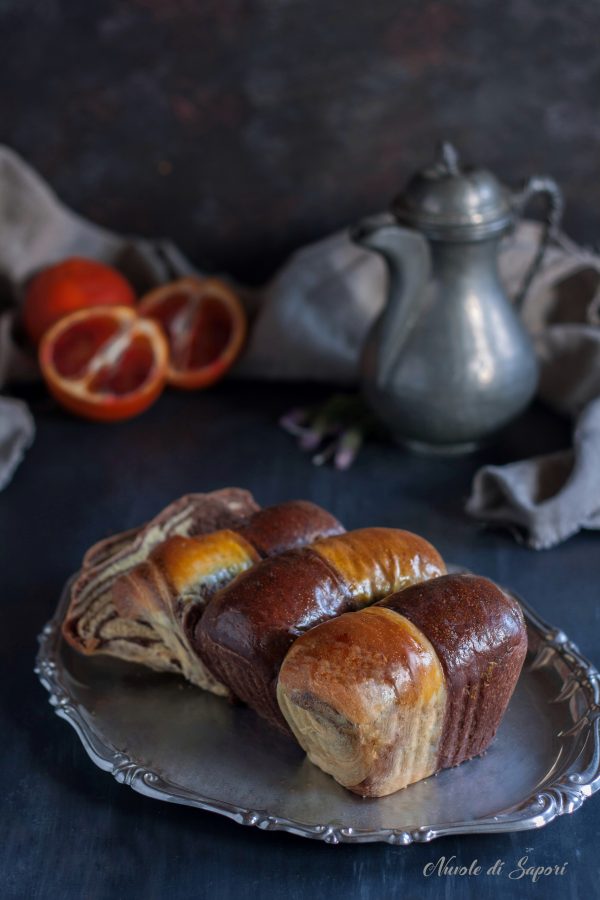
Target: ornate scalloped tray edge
(571,781)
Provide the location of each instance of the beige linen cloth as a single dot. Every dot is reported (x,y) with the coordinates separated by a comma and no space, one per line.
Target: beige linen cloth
(310,322)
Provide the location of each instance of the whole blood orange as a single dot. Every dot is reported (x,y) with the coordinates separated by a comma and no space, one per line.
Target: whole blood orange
(105,363)
(205,325)
(70,285)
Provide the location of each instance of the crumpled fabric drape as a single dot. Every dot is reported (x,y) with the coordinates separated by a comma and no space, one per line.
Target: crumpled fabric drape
(310,321)
(547,499)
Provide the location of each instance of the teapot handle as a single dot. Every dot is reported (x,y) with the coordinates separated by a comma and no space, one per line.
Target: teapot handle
(539,184)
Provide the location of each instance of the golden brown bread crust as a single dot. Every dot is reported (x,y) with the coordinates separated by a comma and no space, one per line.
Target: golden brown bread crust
(375,561)
(248,627)
(168,592)
(365,697)
(180,566)
(362,692)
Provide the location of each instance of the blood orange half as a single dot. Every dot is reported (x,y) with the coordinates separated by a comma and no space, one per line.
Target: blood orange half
(105,363)
(205,325)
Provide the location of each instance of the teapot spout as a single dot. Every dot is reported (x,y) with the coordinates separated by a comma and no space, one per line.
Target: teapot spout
(403,249)
(406,254)
(382,235)
(375,232)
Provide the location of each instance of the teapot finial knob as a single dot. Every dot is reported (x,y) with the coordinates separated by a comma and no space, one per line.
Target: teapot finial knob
(449,158)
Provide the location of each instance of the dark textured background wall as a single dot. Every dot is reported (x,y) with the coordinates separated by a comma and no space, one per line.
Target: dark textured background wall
(244,127)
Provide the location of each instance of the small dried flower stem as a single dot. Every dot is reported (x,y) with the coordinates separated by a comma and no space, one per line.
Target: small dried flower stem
(342,417)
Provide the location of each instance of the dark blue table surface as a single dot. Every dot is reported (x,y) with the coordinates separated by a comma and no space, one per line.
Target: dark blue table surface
(69,830)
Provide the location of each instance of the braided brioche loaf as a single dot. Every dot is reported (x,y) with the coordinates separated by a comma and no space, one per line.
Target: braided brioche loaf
(168,591)
(249,626)
(416,683)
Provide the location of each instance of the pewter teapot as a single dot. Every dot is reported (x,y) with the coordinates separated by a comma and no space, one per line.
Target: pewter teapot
(448,362)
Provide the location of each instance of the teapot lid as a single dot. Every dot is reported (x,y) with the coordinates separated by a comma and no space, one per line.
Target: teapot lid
(453,203)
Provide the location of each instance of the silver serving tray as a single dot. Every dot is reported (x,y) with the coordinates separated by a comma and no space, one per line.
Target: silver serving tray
(169,740)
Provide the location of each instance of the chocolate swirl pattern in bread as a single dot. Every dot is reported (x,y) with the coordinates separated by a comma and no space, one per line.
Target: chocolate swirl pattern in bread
(92,624)
(249,626)
(419,682)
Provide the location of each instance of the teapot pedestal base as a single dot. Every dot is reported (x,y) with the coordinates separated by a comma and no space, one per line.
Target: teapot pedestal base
(425,449)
